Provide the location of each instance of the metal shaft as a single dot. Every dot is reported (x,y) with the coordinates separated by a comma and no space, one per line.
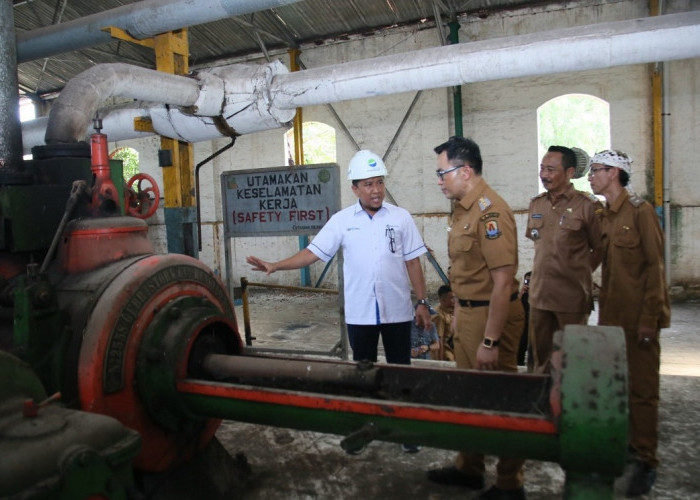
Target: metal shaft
(344,398)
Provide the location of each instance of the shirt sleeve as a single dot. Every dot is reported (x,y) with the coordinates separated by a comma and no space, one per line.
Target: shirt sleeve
(499,243)
(412,241)
(595,227)
(326,243)
(653,248)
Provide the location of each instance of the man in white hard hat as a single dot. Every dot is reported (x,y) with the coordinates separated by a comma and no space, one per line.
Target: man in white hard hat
(381,248)
(634,296)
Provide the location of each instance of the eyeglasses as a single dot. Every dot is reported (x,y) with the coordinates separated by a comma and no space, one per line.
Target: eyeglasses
(441,173)
(594,171)
(389,233)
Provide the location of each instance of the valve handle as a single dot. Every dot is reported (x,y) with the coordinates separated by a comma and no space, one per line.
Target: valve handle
(141,201)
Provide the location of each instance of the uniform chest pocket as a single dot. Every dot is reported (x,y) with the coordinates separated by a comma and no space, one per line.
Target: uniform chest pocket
(394,240)
(463,243)
(625,237)
(570,224)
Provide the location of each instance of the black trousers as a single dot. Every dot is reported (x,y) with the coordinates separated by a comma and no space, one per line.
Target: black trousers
(396,338)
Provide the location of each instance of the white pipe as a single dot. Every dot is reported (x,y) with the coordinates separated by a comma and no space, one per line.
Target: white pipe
(605,45)
(225,101)
(140,19)
(76,106)
(665,113)
(666,170)
(261,97)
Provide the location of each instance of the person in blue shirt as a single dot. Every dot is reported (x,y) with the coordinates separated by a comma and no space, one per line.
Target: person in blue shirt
(424,342)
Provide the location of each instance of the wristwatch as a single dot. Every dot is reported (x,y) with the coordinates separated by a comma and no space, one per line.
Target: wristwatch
(422,302)
(490,343)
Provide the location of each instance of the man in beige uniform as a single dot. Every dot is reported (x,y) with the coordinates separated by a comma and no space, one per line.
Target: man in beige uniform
(564,225)
(483,251)
(634,296)
(444,314)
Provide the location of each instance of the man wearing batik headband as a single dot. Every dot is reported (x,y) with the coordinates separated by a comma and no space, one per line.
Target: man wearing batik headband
(634,296)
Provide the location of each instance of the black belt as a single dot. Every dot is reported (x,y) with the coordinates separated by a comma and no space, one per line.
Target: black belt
(481,303)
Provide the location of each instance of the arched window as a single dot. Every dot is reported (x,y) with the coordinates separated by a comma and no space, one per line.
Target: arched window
(130,160)
(319,144)
(576,121)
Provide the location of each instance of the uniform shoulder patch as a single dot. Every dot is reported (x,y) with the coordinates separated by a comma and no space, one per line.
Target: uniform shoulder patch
(635,200)
(490,215)
(589,196)
(483,203)
(492,229)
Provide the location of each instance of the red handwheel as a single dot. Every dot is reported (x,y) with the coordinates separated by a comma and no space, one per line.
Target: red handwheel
(141,200)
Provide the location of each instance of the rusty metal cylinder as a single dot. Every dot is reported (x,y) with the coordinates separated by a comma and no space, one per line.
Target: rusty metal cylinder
(120,299)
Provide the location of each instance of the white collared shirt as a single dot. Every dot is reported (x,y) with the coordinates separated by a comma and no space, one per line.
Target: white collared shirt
(377,286)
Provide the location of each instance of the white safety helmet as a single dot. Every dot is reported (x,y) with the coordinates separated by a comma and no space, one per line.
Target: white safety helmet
(365,164)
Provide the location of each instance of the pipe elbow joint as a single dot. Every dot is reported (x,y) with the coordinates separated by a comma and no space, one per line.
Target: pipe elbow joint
(210,101)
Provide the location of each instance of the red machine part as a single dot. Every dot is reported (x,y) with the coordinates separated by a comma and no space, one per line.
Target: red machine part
(89,244)
(119,330)
(105,199)
(141,202)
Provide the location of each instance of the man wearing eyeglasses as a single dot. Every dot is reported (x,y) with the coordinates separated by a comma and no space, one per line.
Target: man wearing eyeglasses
(381,249)
(634,296)
(483,250)
(564,225)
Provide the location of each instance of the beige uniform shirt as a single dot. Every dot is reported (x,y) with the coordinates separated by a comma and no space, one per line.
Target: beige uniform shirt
(564,230)
(443,323)
(482,237)
(634,290)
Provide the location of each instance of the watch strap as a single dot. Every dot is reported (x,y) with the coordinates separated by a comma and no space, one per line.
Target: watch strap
(490,343)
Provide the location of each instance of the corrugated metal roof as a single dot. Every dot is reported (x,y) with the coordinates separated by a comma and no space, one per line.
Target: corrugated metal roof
(298,24)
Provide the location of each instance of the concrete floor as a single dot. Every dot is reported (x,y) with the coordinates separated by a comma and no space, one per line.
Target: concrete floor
(289,464)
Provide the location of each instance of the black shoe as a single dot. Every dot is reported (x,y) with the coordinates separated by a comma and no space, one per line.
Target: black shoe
(495,493)
(410,448)
(455,477)
(643,478)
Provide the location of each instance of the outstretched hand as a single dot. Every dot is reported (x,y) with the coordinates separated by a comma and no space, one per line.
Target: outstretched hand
(260,265)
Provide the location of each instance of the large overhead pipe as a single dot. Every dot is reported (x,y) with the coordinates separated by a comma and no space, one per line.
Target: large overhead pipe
(82,96)
(10,130)
(140,20)
(605,45)
(265,96)
(225,101)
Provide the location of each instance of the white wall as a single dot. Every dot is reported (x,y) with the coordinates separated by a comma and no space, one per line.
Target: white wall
(501,116)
